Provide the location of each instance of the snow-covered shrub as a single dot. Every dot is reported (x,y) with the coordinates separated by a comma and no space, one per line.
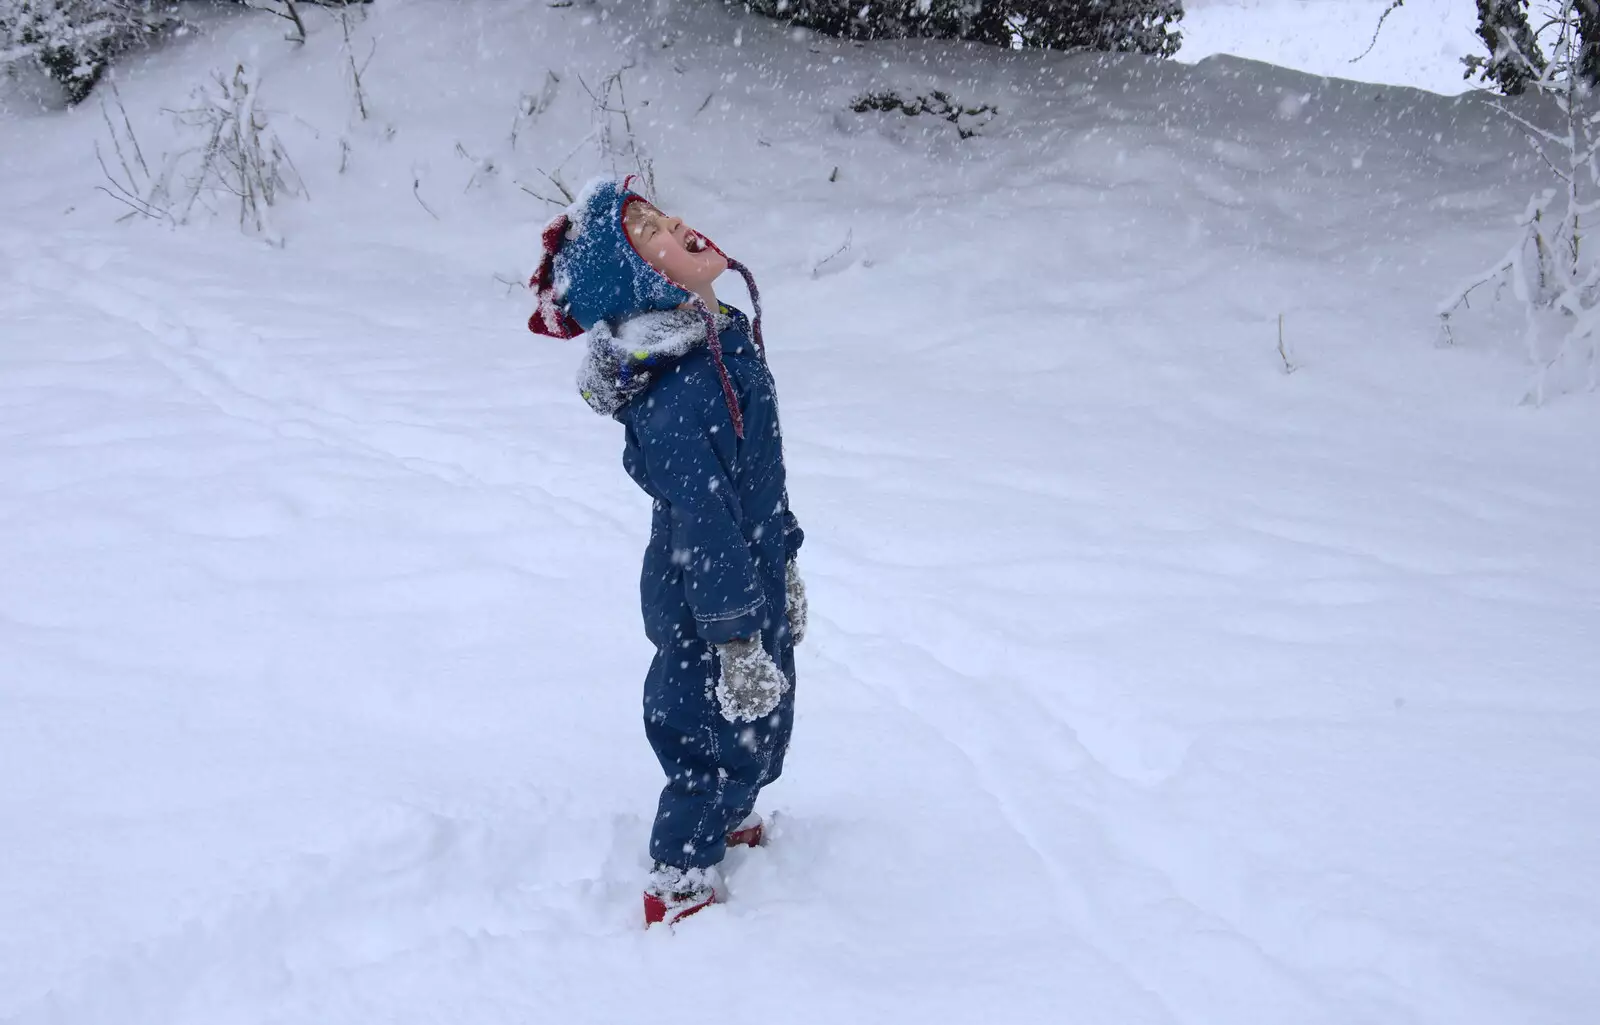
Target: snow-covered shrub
(238,157)
(1553,268)
(235,158)
(968,120)
(1144,26)
(75,40)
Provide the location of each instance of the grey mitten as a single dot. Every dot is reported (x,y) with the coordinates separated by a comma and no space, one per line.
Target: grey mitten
(795,588)
(750,684)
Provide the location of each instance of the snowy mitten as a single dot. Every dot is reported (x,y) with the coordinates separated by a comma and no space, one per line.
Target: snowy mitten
(795,588)
(750,685)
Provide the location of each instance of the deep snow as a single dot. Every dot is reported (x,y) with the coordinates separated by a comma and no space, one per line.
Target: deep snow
(1421,43)
(1146,682)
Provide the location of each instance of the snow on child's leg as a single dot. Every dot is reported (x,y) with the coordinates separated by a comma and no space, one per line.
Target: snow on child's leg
(712,782)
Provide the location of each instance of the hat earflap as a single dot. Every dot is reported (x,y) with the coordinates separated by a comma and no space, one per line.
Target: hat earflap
(549,317)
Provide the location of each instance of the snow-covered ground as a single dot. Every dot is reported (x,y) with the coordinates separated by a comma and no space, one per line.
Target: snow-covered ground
(1147,682)
(1421,43)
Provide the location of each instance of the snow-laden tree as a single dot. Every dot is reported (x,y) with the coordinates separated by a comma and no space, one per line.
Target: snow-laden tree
(1586,14)
(1144,26)
(75,40)
(938,18)
(1552,269)
(1140,26)
(1515,59)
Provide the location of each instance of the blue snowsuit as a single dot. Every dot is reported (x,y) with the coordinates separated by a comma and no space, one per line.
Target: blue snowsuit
(721,532)
(721,536)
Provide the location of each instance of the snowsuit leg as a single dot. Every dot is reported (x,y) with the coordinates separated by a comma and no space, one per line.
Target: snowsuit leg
(715,769)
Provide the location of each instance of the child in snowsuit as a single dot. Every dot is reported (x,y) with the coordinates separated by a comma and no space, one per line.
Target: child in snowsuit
(723,604)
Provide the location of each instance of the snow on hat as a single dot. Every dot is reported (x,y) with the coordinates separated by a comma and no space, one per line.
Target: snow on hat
(589,271)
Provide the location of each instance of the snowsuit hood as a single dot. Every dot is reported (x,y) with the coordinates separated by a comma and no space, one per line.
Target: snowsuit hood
(590,274)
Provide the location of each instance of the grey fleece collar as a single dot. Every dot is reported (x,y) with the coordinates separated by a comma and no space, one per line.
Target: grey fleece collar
(622,364)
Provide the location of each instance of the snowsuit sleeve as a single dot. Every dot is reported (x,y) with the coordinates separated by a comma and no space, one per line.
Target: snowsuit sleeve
(685,460)
(793,536)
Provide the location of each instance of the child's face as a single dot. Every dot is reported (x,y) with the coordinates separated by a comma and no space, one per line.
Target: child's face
(672,247)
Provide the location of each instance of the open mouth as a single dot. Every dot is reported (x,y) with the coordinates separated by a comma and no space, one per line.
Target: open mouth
(694,243)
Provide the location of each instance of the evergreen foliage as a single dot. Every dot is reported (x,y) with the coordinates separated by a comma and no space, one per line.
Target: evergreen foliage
(1515,58)
(1142,26)
(75,40)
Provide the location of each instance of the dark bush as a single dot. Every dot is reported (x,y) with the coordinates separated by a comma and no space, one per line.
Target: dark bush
(1142,26)
(75,40)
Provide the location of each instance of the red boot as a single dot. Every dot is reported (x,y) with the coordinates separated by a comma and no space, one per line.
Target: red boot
(676,893)
(752,832)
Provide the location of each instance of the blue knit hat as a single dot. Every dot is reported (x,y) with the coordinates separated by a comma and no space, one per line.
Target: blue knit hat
(590,271)
(599,275)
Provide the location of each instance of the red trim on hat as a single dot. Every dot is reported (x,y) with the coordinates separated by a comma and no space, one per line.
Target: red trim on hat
(548,317)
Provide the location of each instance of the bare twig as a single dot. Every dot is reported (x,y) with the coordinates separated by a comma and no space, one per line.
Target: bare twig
(849,237)
(136,189)
(356,71)
(630,148)
(127,127)
(116,145)
(481,166)
(293,14)
(279,153)
(512,284)
(125,195)
(560,185)
(1532,129)
(590,137)
(1289,366)
(1510,266)
(584,83)
(416,190)
(547,199)
(1375,32)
